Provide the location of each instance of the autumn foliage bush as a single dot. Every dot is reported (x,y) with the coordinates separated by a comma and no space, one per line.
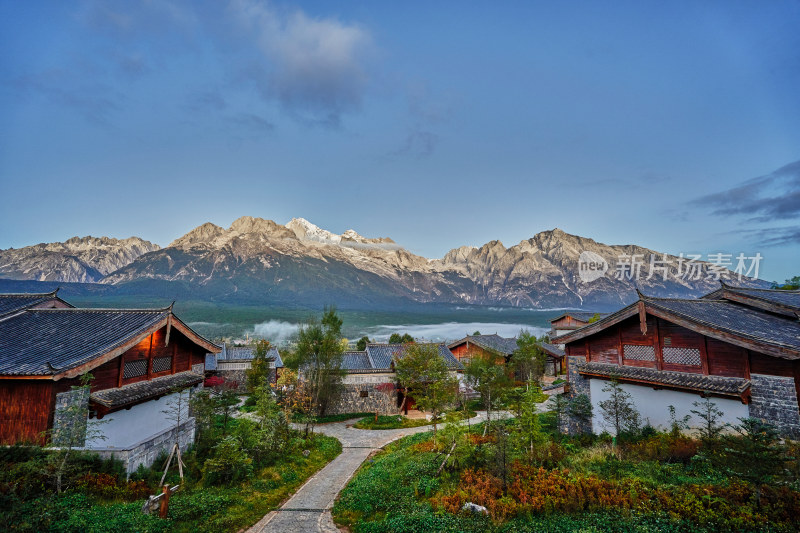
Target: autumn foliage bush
(535,491)
(110,487)
(664,448)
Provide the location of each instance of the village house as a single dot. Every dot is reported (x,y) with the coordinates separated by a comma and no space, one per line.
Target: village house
(569,321)
(739,346)
(369,381)
(502,349)
(138,358)
(233,362)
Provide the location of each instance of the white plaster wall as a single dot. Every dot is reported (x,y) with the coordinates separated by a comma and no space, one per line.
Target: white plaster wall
(653,405)
(129,426)
(355,379)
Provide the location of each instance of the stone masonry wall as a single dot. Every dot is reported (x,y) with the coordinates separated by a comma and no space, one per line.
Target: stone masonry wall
(239,376)
(774,399)
(146,451)
(350,400)
(577,385)
(70,418)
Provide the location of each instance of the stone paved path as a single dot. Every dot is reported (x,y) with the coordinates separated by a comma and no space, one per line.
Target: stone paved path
(309,510)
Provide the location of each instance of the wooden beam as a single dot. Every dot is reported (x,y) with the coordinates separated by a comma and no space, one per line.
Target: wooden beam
(150,358)
(657,346)
(642,317)
(704,355)
(121,369)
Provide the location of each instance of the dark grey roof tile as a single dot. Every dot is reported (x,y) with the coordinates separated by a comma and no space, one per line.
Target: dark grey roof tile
(683,380)
(144,390)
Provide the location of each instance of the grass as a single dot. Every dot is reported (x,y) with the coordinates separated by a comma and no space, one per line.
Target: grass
(194,508)
(399,491)
(248,503)
(400,421)
(326,419)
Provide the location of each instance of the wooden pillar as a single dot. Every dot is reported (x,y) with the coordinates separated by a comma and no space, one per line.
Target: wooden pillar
(657,347)
(704,355)
(121,369)
(150,358)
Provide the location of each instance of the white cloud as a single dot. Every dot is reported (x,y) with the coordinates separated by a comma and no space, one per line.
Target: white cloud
(276,331)
(314,67)
(450,331)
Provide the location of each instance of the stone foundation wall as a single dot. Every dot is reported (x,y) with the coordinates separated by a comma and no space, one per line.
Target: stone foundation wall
(146,451)
(577,385)
(351,401)
(239,375)
(70,418)
(774,399)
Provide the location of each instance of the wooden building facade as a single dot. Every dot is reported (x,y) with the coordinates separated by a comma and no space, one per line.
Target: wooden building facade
(740,346)
(136,357)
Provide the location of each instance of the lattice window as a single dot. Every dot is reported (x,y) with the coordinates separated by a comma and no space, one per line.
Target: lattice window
(639,353)
(682,356)
(134,369)
(162,364)
(364,394)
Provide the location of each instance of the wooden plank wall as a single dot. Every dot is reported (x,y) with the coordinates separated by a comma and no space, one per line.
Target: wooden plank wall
(719,358)
(183,351)
(26,409)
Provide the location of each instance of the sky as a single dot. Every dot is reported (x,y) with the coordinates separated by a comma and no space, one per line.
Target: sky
(672,125)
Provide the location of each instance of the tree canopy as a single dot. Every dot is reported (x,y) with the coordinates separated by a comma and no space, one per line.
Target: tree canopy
(319,356)
(396,338)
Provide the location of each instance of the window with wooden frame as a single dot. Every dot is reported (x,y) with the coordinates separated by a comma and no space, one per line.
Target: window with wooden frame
(636,352)
(364,394)
(162,364)
(682,356)
(135,368)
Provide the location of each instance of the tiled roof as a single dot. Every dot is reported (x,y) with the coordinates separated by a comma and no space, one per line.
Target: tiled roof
(583,316)
(10,303)
(378,358)
(144,390)
(381,355)
(48,341)
(494,343)
(552,349)
(736,319)
(785,299)
(356,361)
(682,380)
(246,353)
(732,321)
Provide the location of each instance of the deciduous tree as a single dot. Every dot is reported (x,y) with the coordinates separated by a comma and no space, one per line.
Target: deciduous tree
(529,359)
(423,372)
(319,352)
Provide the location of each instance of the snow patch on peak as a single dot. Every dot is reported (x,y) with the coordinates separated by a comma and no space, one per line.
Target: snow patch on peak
(306,231)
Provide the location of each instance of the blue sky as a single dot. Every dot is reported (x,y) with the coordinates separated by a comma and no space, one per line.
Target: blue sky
(671,125)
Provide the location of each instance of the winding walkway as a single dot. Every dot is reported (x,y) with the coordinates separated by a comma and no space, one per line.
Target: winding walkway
(309,510)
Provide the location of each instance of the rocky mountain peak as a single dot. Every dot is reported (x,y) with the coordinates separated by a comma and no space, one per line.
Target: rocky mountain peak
(205,233)
(78,259)
(247,224)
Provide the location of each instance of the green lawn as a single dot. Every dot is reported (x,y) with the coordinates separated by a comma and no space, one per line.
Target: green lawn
(401,422)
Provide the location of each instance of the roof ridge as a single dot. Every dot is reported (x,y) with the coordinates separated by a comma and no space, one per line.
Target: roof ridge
(28,294)
(101,310)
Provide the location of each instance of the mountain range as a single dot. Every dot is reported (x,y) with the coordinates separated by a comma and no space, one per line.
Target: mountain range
(257,261)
